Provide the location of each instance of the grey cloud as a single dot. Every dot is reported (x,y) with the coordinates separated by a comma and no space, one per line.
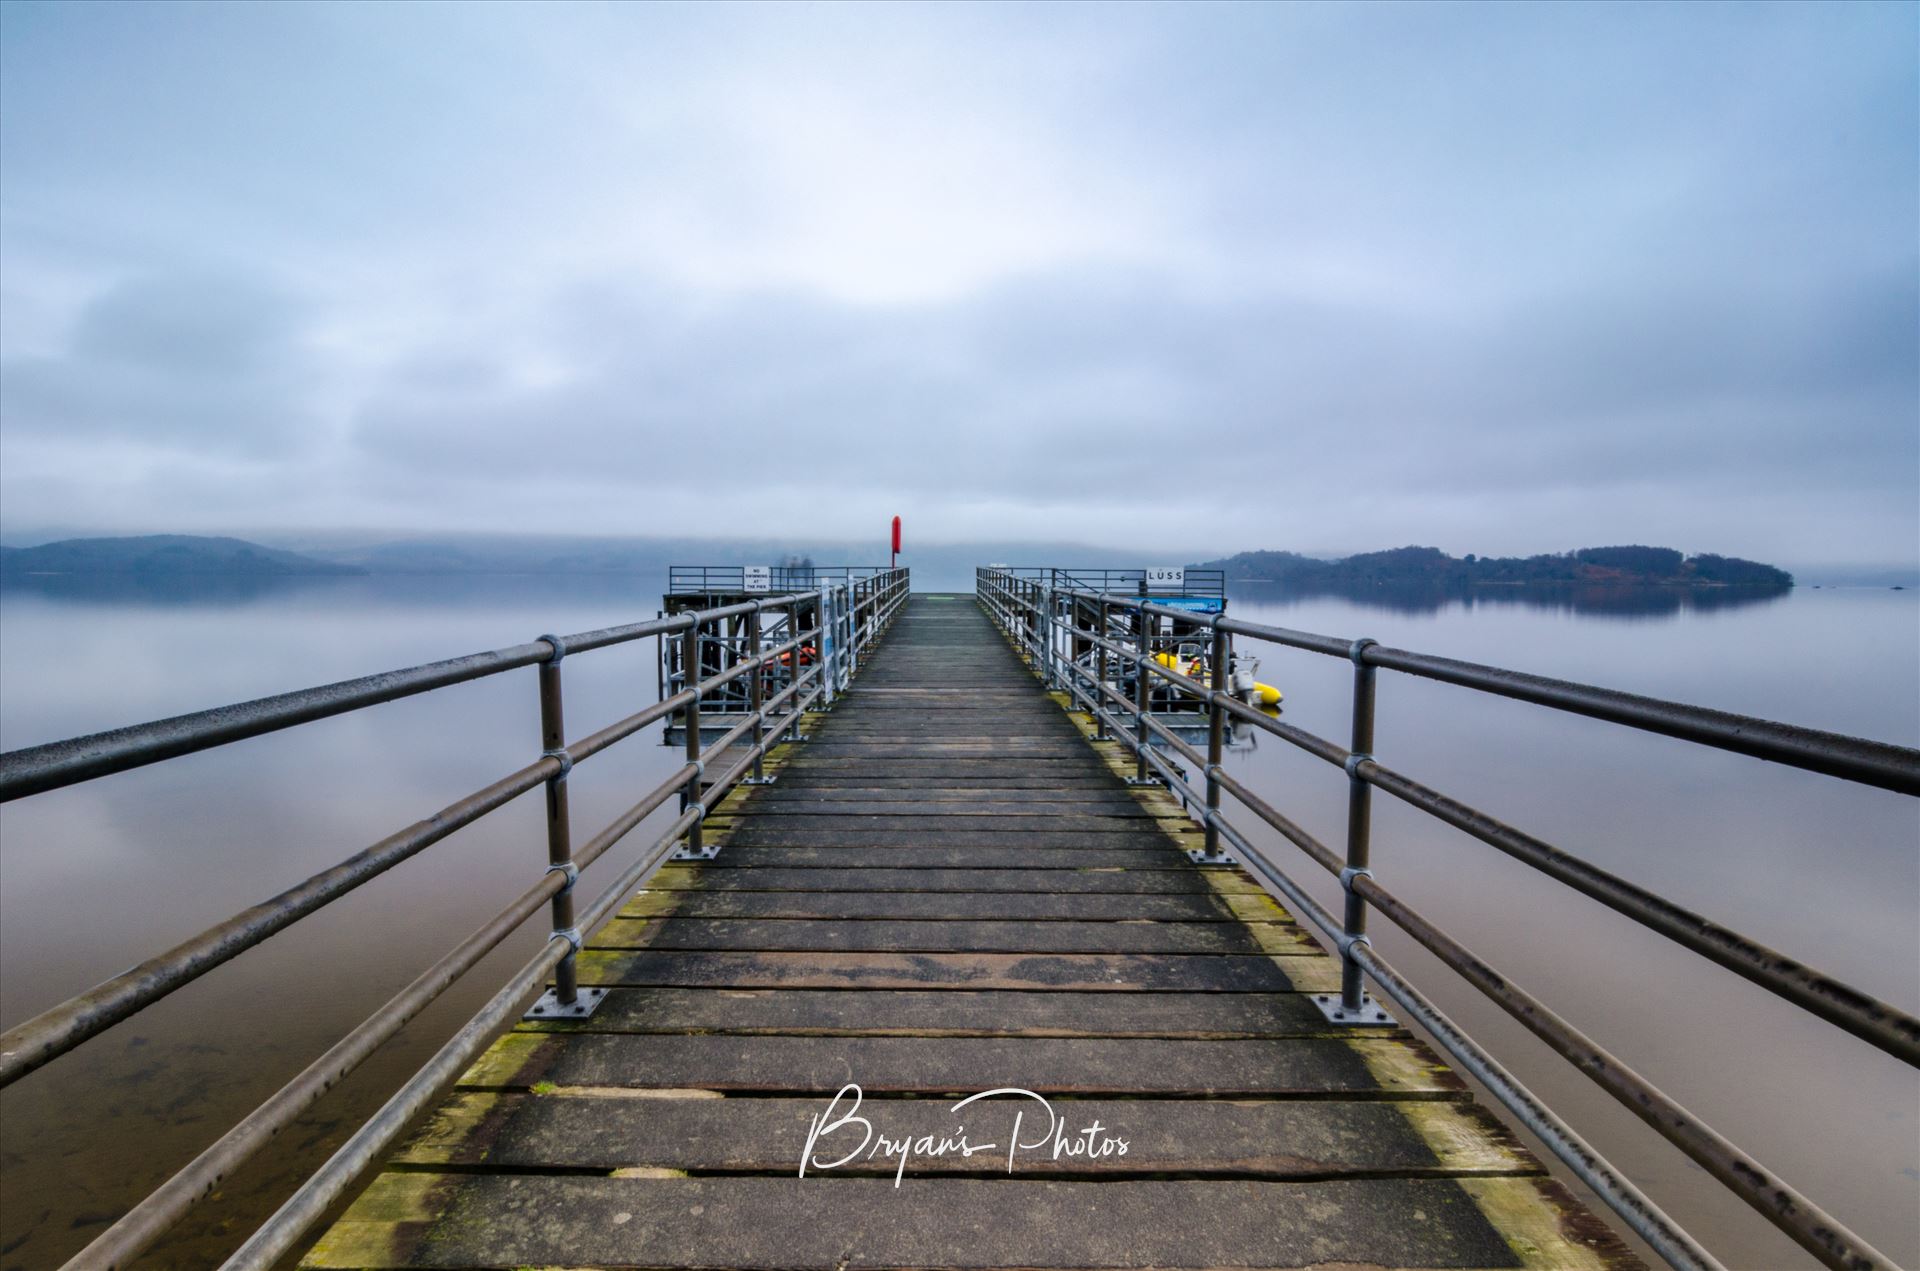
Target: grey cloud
(1047,382)
(174,361)
(1517,277)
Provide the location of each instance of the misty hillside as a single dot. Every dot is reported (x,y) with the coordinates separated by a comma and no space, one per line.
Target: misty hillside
(162,554)
(946,566)
(1659,566)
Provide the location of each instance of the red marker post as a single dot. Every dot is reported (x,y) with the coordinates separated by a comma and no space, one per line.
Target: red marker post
(896,543)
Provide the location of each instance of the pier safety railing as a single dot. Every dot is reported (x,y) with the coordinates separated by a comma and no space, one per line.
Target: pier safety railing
(710,771)
(1090,644)
(730,579)
(841,610)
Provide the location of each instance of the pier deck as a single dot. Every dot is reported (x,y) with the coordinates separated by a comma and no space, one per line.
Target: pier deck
(948,890)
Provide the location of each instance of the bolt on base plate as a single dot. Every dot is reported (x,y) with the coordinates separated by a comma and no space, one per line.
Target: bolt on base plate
(584,1003)
(1370,1012)
(706,853)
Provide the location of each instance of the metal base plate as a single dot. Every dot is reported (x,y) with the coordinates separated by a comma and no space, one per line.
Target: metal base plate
(1371,1012)
(1200,856)
(584,1003)
(706,853)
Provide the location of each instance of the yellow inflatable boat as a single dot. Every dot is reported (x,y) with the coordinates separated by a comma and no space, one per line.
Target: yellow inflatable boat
(1244,687)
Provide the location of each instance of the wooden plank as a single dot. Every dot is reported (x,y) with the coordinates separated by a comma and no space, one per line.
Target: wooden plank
(1051,799)
(1028,815)
(1082,762)
(1034,907)
(1316,1138)
(1051,972)
(759,832)
(839,1223)
(1013,779)
(1390,1067)
(823,745)
(1174,880)
(771,935)
(890,855)
(948,1013)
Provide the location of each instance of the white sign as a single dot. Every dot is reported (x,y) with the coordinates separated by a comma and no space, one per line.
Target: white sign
(758,577)
(1171,577)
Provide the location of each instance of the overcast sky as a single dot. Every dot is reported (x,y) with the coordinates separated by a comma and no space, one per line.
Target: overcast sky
(1501,279)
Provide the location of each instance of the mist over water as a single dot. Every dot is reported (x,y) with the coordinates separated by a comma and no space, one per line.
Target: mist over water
(95,878)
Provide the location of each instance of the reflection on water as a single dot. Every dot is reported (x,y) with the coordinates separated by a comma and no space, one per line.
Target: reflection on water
(1596,600)
(98,877)
(114,590)
(95,878)
(1821,869)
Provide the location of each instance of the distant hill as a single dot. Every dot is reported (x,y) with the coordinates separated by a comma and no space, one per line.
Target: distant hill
(162,554)
(1656,566)
(935,566)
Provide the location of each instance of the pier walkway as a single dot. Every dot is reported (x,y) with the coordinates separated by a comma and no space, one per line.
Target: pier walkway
(950,889)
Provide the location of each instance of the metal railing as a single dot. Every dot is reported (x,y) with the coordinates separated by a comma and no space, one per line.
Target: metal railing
(732,758)
(722,580)
(842,613)
(1049,624)
(1194,581)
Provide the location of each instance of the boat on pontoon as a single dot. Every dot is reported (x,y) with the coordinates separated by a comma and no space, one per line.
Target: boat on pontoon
(1192,663)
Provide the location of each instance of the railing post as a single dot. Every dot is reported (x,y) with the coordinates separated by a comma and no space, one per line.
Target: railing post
(1354,1006)
(756,695)
(1100,664)
(566,998)
(1143,653)
(1053,630)
(1032,617)
(826,644)
(690,659)
(1036,620)
(1071,663)
(1060,622)
(553,740)
(793,667)
(1216,738)
(1043,632)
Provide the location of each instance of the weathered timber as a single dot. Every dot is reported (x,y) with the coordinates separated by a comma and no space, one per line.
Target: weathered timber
(1385,1067)
(513,1219)
(947,890)
(948,1013)
(1039,972)
(938,905)
(1174,877)
(890,936)
(1275,1138)
(1097,854)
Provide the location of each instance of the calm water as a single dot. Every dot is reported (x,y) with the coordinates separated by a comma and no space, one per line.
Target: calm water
(95,878)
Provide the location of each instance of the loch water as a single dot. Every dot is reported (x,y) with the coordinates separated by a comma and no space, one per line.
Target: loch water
(100,876)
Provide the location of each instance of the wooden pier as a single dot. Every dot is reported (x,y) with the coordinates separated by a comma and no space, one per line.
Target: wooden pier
(950,889)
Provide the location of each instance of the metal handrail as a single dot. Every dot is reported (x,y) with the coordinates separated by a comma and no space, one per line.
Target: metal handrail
(53,1032)
(1198,581)
(36,769)
(723,579)
(1859,1013)
(1858,759)
(1639,1211)
(1034,616)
